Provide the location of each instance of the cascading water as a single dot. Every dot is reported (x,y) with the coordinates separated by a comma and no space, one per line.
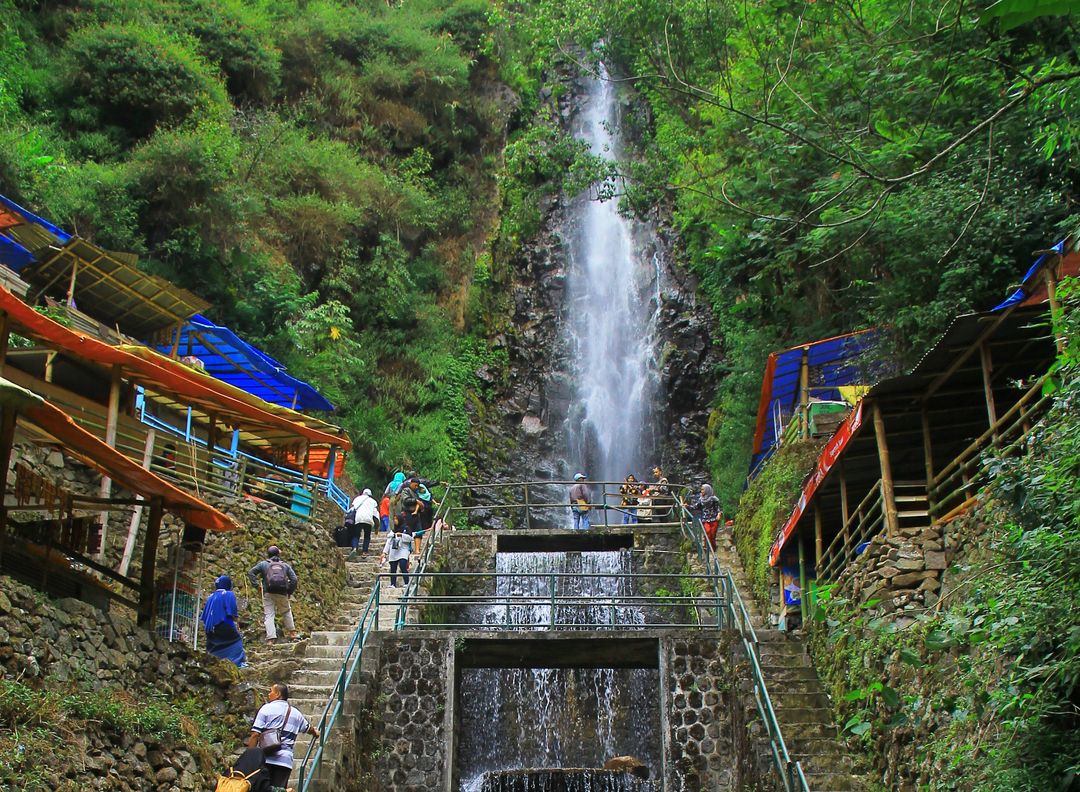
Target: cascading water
(612,287)
(527,718)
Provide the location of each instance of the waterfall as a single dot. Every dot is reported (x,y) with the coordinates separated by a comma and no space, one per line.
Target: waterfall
(612,286)
(552,718)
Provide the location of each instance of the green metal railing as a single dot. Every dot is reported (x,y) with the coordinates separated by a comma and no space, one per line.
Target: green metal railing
(730,611)
(369,622)
(620,611)
(791,772)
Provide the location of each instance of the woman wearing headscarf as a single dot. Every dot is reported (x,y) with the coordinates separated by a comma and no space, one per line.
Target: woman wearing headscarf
(707,507)
(219,620)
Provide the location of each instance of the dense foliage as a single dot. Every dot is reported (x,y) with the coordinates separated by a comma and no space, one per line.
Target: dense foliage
(833,165)
(985,687)
(322,172)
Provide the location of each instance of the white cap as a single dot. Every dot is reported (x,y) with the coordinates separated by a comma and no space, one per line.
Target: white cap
(367,492)
(579,477)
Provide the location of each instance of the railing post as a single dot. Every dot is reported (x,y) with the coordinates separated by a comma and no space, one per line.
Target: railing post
(603,497)
(551,616)
(528,516)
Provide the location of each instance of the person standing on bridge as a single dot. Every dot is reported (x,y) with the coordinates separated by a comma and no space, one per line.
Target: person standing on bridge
(629,491)
(580,498)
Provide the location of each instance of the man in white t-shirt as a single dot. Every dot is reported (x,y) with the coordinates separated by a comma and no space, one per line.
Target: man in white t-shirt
(277,713)
(365,513)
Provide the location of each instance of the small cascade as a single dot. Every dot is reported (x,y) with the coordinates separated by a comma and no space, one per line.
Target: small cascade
(595,591)
(569,780)
(550,719)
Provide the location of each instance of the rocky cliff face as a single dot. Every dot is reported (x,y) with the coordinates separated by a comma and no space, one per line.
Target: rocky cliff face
(522,433)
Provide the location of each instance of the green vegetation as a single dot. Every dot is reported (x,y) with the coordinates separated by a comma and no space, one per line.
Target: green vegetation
(831,166)
(37,726)
(984,687)
(765,506)
(322,172)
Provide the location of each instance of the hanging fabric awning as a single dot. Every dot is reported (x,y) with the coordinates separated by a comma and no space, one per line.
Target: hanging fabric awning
(835,447)
(51,423)
(166,376)
(230,359)
(25,237)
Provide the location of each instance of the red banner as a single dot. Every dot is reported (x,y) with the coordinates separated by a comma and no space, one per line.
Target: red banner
(829,455)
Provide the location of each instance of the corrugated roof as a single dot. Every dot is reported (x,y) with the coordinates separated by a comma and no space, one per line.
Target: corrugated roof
(231,359)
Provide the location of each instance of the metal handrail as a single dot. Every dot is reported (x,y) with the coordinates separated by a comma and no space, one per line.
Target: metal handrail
(790,772)
(369,621)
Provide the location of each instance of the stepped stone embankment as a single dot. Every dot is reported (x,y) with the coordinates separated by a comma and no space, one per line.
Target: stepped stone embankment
(66,646)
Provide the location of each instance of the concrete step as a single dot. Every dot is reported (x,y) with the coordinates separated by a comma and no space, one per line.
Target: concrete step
(336,638)
(795,731)
(783,674)
(786,715)
(832,782)
(783,698)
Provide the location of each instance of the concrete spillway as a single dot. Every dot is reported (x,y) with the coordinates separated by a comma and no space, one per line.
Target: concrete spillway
(565,780)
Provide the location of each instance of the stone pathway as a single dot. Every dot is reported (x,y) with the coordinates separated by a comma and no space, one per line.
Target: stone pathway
(801,705)
(311,685)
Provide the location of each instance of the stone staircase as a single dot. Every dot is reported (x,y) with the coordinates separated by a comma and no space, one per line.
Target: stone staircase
(311,685)
(801,705)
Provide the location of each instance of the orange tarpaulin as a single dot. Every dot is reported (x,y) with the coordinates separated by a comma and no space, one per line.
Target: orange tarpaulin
(159,373)
(109,462)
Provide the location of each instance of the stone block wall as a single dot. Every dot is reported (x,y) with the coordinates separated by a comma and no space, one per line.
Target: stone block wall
(695,675)
(414,695)
(903,572)
(67,645)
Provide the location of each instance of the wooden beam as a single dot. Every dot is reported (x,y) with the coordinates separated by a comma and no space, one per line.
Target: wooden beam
(819,544)
(307,453)
(149,558)
(111,420)
(7,438)
(988,390)
(136,515)
(888,494)
(928,449)
(1055,306)
(963,358)
(211,443)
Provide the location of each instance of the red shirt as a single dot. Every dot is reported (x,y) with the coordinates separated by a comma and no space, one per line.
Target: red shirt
(384,506)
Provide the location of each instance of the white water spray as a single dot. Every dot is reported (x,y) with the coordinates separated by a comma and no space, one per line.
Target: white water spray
(613,315)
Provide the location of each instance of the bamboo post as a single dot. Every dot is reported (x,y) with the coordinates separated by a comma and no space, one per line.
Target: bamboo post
(928,448)
(1055,304)
(307,452)
(136,515)
(5,335)
(211,444)
(7,438)
(50,358)
(149,556)
(804,393)
(988,388)
(845,512)
(802,580)
(780,587)
(818,539)
(888,493)
(111,421)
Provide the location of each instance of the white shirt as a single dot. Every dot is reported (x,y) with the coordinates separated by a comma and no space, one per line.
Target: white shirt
(404,548)
(365,509)
(271,715)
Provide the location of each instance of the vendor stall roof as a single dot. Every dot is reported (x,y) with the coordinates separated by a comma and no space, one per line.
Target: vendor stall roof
(174,380)
(25,236)
(833,363)
(108,287)
(49,423)
(230,359)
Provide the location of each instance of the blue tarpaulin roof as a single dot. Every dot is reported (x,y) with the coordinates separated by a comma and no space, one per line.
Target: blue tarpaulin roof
(23,234)
(832,363)
(227,357)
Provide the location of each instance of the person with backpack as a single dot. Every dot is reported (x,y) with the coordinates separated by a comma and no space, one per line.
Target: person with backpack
(580,502)
(278,582)
(397,550)
(365,511)
(275,729)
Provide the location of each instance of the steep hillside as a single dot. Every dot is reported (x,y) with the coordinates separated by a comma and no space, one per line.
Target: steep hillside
(322,172)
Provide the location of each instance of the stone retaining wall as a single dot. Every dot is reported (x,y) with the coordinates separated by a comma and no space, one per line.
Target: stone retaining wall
(68,645)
